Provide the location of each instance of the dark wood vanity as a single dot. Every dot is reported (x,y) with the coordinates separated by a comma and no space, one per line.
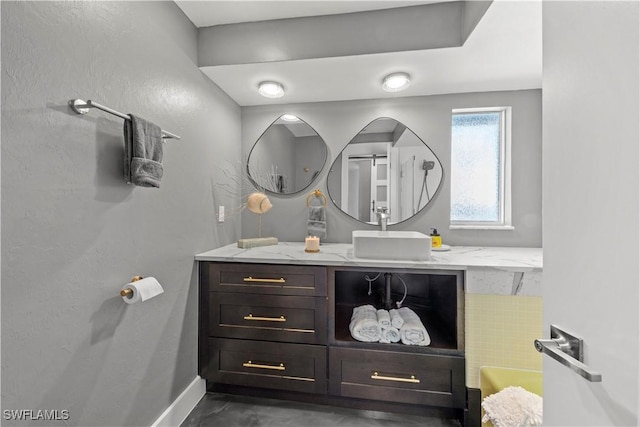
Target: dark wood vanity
(264,326)
(283,331)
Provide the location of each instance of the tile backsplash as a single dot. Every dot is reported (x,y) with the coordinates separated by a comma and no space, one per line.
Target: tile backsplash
(499,331)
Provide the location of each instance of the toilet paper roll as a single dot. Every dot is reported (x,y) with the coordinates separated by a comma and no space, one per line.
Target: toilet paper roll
(143,290)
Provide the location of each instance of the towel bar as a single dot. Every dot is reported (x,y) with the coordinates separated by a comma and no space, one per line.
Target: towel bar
(82,107)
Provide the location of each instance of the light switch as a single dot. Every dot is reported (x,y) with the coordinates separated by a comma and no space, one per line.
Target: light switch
(220,213)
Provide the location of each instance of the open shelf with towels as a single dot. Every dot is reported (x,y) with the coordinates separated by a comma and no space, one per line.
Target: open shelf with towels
(442,339)
(435,296)
(428,375)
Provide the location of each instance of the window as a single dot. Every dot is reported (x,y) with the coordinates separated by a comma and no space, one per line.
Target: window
(480,168)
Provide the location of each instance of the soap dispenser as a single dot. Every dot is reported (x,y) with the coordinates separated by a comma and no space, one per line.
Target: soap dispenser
(436,240)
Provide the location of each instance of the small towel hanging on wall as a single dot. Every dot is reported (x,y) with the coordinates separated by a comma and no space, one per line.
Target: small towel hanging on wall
(142,152)
(317,218)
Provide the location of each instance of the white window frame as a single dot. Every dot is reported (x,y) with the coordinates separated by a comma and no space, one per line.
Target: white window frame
(504,221)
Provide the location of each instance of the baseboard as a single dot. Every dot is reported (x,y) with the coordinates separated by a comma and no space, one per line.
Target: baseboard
(178,411)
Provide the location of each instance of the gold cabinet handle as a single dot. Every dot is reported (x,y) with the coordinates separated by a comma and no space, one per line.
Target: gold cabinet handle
(265,319)
(252,279)
(412,380)
(250,364)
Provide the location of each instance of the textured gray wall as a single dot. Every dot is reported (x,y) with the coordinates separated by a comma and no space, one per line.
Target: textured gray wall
(430,118)
(73,232)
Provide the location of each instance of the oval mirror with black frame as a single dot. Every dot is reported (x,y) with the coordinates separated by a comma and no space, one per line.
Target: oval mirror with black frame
(288,156)
(384,167)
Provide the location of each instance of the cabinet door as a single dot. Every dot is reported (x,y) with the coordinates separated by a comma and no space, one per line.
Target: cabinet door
(264,278)
(268,317)
(422,379)
(292,367)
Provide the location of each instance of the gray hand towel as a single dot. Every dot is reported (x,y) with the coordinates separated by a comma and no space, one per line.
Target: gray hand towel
(317,224)
(142,152)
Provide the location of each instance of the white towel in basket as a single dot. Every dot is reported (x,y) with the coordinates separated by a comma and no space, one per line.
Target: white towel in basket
(513,406)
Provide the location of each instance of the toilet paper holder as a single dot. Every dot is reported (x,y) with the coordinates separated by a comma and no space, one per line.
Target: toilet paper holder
(129,292)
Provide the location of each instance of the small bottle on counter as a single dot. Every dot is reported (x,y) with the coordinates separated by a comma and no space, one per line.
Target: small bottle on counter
(436,240)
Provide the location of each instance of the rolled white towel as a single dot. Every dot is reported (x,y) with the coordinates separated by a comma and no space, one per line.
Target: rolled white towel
(389,335)
(384,319)
(396,319)
(357,311)
(364,324)
(513,406)
(413,331)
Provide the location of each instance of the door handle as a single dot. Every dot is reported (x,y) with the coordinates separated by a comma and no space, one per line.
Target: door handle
(568,350)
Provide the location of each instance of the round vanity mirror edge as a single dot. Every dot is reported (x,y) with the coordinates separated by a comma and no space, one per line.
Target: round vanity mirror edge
(384,124)
(273,182)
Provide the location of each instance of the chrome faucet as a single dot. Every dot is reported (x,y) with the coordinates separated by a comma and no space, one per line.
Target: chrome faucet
(382,212)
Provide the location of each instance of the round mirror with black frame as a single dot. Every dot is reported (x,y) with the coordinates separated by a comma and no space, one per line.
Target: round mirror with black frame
(288,156)
(386,166)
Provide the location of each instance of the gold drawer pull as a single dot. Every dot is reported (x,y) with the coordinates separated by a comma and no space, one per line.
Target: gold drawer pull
(265,319)
(412,380)
(251,279)
(249,364)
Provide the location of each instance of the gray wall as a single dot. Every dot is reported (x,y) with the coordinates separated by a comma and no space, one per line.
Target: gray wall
(430,118)
(73,233)
(274,152)
(307,149)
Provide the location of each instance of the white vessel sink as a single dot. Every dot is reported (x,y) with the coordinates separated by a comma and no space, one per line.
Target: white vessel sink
(391,245)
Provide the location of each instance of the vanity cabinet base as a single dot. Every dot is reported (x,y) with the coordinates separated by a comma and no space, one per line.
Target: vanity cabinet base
(282,331)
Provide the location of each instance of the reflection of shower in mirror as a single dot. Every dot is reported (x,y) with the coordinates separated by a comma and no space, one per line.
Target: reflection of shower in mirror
(427,165)
(385,165)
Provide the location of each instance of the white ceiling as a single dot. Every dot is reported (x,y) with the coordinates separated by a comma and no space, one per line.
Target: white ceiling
(504,52)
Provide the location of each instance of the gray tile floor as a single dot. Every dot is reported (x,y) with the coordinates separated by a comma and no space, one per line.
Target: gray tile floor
(216,409)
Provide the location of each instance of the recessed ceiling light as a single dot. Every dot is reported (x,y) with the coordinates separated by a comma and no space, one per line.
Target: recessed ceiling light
(396,82)
(289,118)
(271,89)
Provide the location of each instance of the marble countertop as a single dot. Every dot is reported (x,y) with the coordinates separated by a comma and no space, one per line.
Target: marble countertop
(341,254)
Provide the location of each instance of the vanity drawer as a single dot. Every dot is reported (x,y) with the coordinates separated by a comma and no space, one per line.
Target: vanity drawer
(265,279)
(398,377)
(268,317)
(293,367)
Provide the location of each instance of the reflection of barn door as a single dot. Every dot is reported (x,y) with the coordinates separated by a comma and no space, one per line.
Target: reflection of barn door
(351,192)
(406,189)
(379,185)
